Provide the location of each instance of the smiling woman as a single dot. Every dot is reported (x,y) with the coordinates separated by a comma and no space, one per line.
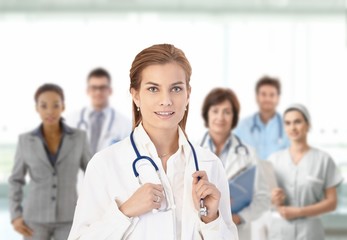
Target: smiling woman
(170,191)
(163,96)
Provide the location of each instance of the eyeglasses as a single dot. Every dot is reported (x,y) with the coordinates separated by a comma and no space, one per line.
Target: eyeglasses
(101,88)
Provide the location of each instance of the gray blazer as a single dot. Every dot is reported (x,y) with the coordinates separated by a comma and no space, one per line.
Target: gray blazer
(52,194)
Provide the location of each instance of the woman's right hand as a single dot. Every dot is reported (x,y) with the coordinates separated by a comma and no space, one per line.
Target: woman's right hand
(20,226)
(145,199)
(277,197)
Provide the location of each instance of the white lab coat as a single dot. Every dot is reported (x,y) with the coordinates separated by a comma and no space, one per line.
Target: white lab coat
(115,127)
(233,162)
(304,184)
(110,181)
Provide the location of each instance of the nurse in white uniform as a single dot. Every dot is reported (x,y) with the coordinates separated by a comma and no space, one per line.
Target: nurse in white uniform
(220,112)
(114,204)
(307,180)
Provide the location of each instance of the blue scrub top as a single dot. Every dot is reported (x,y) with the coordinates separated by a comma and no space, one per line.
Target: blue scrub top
(265,138)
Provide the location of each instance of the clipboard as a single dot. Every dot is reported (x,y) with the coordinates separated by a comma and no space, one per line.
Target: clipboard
(241,189)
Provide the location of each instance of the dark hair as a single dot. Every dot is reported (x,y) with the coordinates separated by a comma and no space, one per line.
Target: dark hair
(266,80)
(99,72)
(154,55)
(49,87)
(219,95)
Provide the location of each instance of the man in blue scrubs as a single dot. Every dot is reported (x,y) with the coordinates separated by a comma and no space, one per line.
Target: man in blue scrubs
(264,129)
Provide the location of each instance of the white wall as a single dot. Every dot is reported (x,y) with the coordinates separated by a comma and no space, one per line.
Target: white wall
(308,54)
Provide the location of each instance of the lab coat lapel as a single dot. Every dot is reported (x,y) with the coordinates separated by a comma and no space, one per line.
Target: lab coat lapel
(189,213)
(38,149)
(235,162)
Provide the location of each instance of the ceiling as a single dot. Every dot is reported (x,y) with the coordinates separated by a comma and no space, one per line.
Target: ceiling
(212,6)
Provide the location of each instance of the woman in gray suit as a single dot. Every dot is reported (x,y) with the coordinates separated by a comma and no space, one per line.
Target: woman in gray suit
(52,154)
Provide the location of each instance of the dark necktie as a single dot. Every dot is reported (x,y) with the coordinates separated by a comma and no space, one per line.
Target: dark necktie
(96,126)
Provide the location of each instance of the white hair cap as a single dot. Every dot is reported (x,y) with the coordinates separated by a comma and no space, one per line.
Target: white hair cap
(301,108)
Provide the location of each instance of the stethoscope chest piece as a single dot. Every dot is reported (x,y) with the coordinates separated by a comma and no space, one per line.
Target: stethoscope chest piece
(203,210)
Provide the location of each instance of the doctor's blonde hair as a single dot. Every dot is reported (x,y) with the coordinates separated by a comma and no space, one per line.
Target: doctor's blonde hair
(154,55)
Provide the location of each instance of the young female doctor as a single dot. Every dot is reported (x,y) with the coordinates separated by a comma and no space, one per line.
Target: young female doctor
(220,112)
(147,186)
(307,180)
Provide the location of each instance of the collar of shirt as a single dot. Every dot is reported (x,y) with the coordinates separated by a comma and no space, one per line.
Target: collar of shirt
(147,144)
(226,148)
(91,111)
(39,130)
(272,121)
(52,157)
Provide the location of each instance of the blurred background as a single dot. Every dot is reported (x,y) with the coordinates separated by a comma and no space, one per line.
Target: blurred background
(229,43)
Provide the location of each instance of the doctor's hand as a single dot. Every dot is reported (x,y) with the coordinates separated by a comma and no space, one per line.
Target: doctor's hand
(20,226)
(277,197)
(204,189)
(145,199)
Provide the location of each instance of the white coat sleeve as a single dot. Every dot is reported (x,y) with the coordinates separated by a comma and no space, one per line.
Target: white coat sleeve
(223,227)
(97,215)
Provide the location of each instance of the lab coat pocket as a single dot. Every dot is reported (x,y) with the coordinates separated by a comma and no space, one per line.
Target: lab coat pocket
(314,179)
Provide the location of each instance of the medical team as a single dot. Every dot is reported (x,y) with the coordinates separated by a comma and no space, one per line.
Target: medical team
(138,186)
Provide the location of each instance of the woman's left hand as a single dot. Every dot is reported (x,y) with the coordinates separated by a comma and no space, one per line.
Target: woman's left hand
(288,212)
(204,189)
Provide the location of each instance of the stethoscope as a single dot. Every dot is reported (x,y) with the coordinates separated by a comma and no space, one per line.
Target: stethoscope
(203,210)
(83,122)
(255,126)
(239,149)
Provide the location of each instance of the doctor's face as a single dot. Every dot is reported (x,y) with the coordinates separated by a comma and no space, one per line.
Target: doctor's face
(267,98)
(295,125)
(163,96)
(220,117)
(50,106)
(99,90)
